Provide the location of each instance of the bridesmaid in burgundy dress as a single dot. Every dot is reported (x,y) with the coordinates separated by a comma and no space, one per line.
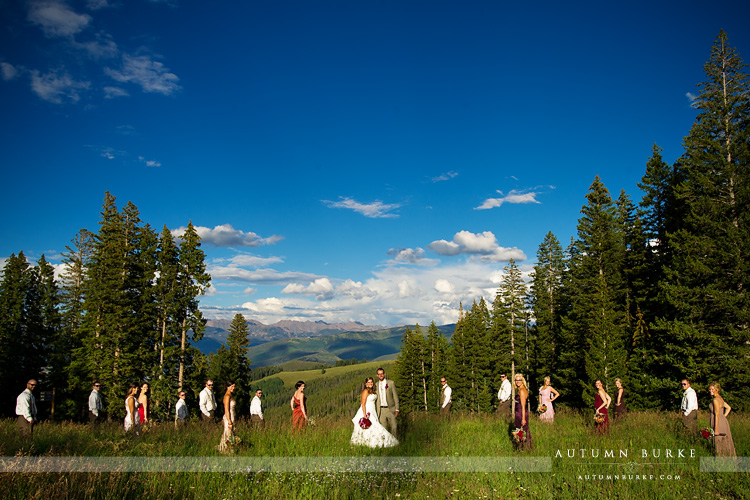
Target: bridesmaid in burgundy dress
(521,415)
(601,403)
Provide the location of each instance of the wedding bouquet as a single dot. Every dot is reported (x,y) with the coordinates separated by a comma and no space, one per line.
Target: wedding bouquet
(707,432)
(518,435)
(233,440)
(599,418)
(310,422)
(365,423)
(541,409)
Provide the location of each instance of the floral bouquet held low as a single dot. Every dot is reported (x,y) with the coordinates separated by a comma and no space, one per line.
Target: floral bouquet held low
(233,440)
(706,432)
(541,409)
(519,435)
(599,418)
(311,422)
(365,422)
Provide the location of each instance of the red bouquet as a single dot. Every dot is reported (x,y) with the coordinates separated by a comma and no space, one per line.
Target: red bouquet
(365,423)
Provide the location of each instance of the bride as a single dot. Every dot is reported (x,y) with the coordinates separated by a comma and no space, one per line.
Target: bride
(375,436)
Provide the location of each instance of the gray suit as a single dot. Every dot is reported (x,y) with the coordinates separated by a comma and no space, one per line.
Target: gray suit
(387,415)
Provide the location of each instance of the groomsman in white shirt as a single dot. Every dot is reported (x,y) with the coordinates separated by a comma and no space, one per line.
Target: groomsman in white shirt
(504,394)
(26,409)
(689,407)
(180,411)
(256,411)
(207,402)
(95,403)
(445,397)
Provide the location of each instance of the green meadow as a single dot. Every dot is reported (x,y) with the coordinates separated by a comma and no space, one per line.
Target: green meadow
(421,435)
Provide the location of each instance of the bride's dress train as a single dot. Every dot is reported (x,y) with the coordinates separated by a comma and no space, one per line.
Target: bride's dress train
(376,436)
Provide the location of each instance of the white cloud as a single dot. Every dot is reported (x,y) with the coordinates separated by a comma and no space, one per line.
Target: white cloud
(258,276)
(445,176)
(56,18)
(112,92)
(247,260)
(57,86)
(101,48)
(376,209)
(9,71)
(150,163)
(514,196)
(410,256)
(249,291)
(321,288)
(444,286)
(151,75)
(227,236)
(483,246)
(392,296)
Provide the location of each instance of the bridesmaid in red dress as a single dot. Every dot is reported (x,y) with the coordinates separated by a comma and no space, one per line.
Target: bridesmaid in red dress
(601,403)
(143,404)
(299,406)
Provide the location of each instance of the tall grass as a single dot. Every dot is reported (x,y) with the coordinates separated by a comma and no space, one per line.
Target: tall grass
(462,435)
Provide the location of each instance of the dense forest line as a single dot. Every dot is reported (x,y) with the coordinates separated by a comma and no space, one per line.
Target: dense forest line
(649,292)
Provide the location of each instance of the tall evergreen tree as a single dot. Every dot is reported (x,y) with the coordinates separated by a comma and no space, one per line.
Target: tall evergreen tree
(707,281)
(238,346)
(545,300)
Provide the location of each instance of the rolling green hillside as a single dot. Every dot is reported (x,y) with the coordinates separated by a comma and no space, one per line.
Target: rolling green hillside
(380,345)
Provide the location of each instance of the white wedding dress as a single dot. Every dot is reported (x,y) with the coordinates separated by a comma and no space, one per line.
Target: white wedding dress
(376,436)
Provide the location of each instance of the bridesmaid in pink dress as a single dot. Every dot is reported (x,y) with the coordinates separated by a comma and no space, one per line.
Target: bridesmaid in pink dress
(547,394)
(601,403)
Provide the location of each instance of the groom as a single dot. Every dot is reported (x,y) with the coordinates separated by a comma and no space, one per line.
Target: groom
(387,402)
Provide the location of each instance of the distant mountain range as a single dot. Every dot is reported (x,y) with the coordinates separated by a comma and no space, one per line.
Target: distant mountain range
(217,331)
(313,341)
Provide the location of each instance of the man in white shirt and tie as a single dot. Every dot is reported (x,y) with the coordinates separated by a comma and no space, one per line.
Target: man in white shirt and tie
(26,409)
(689,407)
(256,411)
(95,403)
(180,411)
(504,394)
(445,397)
(207,402)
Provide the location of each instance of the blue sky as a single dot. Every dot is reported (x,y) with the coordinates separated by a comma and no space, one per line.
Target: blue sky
(369,161)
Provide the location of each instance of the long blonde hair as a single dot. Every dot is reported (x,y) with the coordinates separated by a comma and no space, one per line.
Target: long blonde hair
(523,381)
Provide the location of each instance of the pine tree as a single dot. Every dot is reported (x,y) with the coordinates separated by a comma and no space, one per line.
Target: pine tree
(194,280)
(707,281)
(545,300)
(595,323)
(238,346)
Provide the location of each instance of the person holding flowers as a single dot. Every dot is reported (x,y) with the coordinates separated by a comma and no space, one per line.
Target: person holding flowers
(722,435)
(368,430)
(521,417)
(601,405)
(547,394)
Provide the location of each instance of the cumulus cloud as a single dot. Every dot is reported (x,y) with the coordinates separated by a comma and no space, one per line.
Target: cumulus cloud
(56,18)
(249,291)
(445,176)
(483,246)
(444,286)
(97,4)
(152,76)
(9,71)
(375,210)
(514,196)
(414,256)
(321,288)
(227,236)
(57,86)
